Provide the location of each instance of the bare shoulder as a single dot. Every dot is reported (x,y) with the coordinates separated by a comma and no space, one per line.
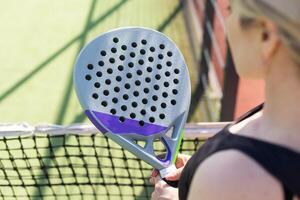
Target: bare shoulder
(233,175)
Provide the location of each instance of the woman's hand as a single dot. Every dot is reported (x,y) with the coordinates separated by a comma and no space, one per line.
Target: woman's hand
(174,175)
(162,190)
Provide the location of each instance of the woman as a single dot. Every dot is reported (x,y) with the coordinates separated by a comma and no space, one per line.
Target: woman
(257,157)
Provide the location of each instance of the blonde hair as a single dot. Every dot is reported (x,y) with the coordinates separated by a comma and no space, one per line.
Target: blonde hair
(285,14)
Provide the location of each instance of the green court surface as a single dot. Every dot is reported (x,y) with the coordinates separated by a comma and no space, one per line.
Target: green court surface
(41,39)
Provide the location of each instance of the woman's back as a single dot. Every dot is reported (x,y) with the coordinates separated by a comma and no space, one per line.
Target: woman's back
(252,164)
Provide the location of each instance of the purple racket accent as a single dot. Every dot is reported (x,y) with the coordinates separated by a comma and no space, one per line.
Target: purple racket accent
(90,115)
(128,126)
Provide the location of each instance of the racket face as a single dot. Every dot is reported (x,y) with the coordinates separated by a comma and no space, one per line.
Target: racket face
(133,83)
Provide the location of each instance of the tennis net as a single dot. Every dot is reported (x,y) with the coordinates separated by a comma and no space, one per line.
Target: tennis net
(75,161)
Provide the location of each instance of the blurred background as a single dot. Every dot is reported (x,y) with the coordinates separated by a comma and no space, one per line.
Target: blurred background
(39,43)
(41,39)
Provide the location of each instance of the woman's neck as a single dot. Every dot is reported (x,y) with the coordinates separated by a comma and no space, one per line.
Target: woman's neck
(282,92)
(279,121)
(281,114)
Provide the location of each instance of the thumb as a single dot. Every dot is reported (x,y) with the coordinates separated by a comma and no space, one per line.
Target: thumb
(159,181)
(174,175)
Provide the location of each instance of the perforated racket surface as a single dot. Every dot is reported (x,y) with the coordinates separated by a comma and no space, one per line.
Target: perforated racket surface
(133,84)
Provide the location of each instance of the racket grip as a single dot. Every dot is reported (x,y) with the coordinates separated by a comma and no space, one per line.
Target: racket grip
(174,184)
(166,171)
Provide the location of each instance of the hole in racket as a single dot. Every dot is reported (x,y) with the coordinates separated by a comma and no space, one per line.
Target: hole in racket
(169,134)
(141,143)
(159,149)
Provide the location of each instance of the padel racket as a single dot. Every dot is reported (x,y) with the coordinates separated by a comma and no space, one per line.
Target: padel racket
(134,85)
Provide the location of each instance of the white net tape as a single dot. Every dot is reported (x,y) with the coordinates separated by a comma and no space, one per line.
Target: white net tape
(197,130)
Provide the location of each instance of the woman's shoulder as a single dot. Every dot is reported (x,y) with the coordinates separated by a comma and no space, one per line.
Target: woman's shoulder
(230,174)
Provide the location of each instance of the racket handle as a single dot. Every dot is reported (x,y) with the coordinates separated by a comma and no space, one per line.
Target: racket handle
(174,184)
(166,171)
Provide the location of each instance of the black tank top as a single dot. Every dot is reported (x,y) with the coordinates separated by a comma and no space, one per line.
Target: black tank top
(281,162)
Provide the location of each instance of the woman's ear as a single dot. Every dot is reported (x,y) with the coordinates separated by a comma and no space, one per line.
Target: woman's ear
(270,41)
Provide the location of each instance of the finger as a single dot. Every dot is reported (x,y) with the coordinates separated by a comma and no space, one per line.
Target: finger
(181,160)
(154,195)
(154,173)
(174,175)
(151,180)
(160,186)
(164,192)
(159,182)
(156,179)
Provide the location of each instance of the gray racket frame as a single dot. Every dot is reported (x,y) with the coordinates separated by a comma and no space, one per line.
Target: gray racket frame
(128,141)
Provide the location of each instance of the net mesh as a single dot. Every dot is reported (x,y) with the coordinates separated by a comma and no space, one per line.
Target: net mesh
(60,163)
